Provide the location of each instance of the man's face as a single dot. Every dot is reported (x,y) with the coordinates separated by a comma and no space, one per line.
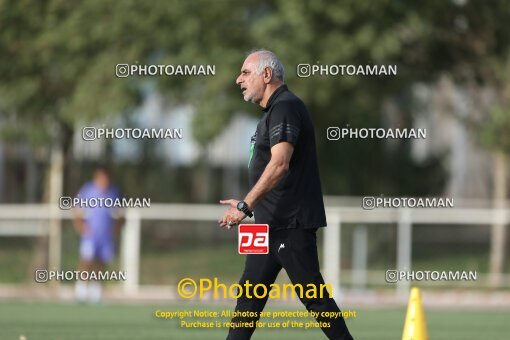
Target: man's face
(252,84)
(102,179)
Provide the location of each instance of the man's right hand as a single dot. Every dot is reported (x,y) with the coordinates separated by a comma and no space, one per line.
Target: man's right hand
(85,229)
(82,228)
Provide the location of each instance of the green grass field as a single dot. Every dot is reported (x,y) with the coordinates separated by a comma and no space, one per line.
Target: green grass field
(119,321)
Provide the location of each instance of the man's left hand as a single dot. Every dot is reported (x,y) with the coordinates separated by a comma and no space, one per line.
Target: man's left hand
(232,216)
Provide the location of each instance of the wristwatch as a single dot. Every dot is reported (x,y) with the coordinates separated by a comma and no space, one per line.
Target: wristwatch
(242,206)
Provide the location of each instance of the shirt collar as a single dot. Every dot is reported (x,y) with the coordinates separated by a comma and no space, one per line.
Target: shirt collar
(273,97)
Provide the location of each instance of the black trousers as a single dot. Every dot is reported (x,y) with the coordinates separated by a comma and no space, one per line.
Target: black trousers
(295,250)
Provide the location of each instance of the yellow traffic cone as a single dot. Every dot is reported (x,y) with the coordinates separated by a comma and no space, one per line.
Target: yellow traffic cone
(415,327)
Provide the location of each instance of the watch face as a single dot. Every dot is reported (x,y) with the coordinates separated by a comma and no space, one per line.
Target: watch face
(240,205)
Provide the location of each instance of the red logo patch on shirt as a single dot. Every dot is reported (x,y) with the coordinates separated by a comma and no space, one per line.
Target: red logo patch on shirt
(253,239)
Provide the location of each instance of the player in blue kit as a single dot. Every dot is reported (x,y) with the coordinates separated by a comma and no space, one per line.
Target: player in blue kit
(97,226)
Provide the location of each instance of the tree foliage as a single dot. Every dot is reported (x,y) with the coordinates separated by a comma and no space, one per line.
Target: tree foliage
(58,60)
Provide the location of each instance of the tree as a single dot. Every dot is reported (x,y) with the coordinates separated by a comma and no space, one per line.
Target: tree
(57,63)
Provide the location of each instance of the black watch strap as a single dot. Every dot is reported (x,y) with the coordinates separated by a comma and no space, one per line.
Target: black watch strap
(242,206)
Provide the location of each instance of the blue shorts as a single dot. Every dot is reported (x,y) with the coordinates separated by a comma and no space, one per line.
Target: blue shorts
(98,250)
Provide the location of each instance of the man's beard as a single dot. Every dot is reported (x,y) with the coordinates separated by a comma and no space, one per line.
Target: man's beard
(253,99)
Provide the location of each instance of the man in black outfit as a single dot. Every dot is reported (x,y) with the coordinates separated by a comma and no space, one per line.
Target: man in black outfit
(285,194)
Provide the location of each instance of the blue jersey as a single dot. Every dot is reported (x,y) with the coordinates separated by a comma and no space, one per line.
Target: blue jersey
(100,220)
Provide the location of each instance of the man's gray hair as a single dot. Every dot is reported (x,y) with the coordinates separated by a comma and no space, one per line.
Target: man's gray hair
(269,59)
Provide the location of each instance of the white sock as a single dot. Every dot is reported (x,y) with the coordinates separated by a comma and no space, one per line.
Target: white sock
(80,290)
(95,291)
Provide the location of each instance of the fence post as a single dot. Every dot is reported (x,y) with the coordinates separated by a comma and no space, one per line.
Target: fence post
(130,250)
(359,257)
(498,228)
(55,192)
(404,244)
(331,253)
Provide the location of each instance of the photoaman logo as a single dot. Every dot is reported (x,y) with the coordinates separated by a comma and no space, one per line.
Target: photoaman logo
(253,239)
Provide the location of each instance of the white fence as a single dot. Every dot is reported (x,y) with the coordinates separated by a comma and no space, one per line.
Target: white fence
(36,219)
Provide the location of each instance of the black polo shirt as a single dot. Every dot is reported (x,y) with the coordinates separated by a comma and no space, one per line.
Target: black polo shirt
(296,201)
